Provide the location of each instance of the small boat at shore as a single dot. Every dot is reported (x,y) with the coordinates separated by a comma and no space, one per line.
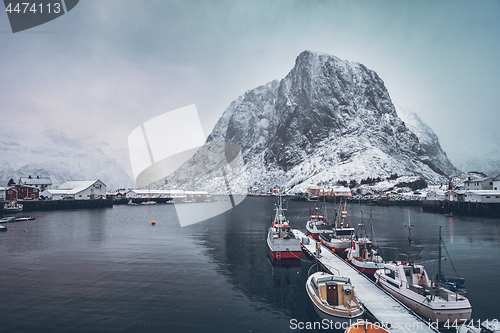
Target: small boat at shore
(281,242)
(8,219)
(333,297)
(13,207)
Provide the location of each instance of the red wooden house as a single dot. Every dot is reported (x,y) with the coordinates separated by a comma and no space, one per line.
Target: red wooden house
(25,192)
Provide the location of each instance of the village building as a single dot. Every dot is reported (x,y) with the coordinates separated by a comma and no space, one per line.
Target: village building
(336,191)
(437,195)
(480,184)
(25,192)
(140,193)
(42,183)
(496,183)
(78,190)
(456,195)
(486,196)
(8,194)
(3,193)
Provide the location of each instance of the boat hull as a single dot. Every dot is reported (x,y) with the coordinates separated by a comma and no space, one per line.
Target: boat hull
(336,244)
(314,235)
(426,310)
(340,314)
(280,248)
(277,255)
(368,267)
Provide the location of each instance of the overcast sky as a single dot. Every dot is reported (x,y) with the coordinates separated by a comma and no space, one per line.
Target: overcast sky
(109,65)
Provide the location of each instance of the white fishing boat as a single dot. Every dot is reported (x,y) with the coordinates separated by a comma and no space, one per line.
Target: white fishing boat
(487,326)
(362,255)
(409,283)
(343,233)
(13,207)
(333,297)
(281,242)
(318,223)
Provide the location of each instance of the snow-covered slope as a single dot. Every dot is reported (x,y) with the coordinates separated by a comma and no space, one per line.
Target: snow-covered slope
(428,140)
(25,150)
(327,120)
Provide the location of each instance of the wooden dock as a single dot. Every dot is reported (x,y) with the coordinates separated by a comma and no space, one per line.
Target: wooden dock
(385,309)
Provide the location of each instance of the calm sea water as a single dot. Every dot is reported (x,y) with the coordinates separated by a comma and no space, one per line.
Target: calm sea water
(110,270)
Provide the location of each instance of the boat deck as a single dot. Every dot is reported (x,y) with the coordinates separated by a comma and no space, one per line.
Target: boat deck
(381,305)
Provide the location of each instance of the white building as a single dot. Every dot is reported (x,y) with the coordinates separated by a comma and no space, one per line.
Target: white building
(479,184)
(486,196)
(436,195)
(496,183)
(456,195)
(3,193)
(42,183)
(78,190)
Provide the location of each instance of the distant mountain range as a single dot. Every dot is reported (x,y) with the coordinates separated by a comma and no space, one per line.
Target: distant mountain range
(25,150)
(327,120)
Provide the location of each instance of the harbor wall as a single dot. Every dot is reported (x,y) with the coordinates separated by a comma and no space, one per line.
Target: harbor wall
(124,201)
(462,208)
(33,205)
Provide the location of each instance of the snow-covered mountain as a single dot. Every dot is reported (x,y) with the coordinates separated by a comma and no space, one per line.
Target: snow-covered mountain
(25,150)
(428,140)
(327,120)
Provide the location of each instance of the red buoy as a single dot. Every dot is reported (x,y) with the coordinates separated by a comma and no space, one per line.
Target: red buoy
(153,222)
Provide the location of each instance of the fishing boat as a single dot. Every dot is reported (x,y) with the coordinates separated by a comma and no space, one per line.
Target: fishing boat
(409,283)
(13,207)
(366,327)
(281,242)
(343,233)
(318,223)
(333,297)
(131,203)
(362,255)
(487,326)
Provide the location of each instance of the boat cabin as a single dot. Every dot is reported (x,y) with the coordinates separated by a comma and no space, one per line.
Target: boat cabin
(328,287)
(344,232)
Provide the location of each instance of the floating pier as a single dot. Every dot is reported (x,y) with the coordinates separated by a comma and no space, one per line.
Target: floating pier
(384,308)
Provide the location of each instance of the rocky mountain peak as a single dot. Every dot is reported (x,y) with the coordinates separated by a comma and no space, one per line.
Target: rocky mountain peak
(327,120)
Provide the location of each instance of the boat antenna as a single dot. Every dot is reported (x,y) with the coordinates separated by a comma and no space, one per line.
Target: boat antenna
(324,207)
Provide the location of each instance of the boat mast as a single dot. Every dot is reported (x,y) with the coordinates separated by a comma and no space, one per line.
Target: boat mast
(439,257)
(409,239)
